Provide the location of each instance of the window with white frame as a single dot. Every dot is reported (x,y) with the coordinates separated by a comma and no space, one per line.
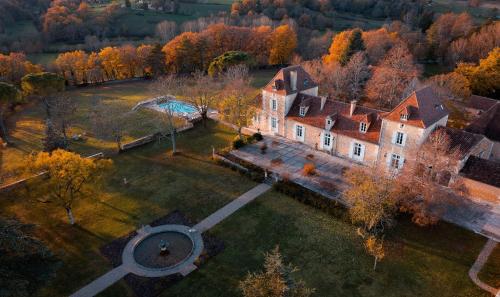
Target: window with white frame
(357,149)
(404,117)
(395,161)
(328,122)
(274,104)
(302,111)
(327,139)
(363,127)
(399,140)
(299,131)
(274,123)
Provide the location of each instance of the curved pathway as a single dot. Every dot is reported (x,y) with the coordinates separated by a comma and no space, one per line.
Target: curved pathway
(114,275)
(480,261)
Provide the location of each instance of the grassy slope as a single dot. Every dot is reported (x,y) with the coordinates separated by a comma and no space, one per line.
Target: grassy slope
(27,126)
(419,262)
(158,185)
(490,273)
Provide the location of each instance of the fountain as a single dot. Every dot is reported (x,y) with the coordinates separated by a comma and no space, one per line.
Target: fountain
(163,245)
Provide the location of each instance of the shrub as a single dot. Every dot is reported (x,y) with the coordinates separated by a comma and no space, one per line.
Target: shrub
(238,143)
(311,198)
(276,161)
(263,148)
(309,169)
(257,136)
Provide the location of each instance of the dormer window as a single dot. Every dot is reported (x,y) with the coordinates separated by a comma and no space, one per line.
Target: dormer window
(363,127)
(302,111)
(404,117)
(328,122)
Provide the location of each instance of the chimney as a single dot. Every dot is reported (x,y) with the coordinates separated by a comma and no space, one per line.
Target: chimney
(323,101)
(293,80)
(353,107)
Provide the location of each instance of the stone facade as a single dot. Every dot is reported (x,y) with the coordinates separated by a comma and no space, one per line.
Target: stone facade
(292,109)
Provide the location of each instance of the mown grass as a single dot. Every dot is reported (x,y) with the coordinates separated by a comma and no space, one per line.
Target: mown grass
(480,14)
(490,273)
(158,185)
(27,126)
(419,261)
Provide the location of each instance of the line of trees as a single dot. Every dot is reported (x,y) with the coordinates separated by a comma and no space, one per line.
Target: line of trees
(185,53)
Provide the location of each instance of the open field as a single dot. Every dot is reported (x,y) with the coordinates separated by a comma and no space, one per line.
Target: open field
(480,14)
(158,185)
(27,126)
(419,261)
(490,274)
(329,253)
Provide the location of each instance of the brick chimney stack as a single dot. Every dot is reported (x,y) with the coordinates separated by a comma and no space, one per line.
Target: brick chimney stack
(353,107)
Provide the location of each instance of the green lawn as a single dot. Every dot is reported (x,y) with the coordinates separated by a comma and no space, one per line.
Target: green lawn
(27,126)
(490,273)
(480,14)
(419,261)
(159,184)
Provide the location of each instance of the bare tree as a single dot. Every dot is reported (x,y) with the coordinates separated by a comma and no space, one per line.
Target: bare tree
(166,120)
(392,78)
(166,30)
(427,169)
(235,104)
(63,109)
(200,90)
(357,73)
(109,122)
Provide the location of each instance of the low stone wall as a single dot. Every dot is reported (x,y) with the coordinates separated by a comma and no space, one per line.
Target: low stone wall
(480,190)
(19,183)
(230,163)
(150,138)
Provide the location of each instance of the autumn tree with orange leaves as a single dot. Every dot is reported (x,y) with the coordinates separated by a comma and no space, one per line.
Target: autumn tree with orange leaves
(283,42)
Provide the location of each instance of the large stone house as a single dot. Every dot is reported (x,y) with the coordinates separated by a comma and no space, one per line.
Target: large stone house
(290,107)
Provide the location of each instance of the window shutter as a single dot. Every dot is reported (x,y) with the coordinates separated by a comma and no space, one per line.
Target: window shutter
(404,139)
(401,162)
(394,135)
(295,131)
(322,140)
(351,148)
(362,152)
(388,159)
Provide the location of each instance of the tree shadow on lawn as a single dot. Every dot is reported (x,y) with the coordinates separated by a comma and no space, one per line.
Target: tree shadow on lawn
(443,240)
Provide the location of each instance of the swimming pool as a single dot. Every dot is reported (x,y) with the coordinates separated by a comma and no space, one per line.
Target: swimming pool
(178,107)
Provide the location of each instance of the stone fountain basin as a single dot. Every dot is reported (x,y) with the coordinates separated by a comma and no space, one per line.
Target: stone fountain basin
(141,255)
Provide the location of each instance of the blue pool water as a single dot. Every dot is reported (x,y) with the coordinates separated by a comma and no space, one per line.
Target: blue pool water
(178,106)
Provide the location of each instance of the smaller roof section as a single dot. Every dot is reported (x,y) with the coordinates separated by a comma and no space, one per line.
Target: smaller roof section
(421,109)
(459,140)
(488,124)
(290,80)
(480,103)
(482,170)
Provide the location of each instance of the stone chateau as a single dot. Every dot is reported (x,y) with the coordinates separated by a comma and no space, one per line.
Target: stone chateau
(290,107)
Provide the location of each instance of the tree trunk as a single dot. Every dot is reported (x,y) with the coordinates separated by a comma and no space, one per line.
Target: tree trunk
(4,129)
(70,215)
(172,137)
(204,118)
(375,264)
(118,144)
(239,132)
